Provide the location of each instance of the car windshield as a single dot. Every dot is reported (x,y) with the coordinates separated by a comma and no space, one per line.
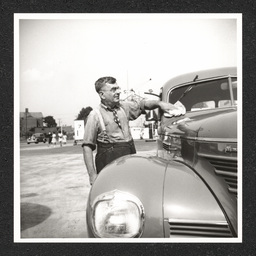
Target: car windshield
(206,95)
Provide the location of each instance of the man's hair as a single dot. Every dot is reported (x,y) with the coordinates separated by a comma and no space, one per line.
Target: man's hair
(102,82)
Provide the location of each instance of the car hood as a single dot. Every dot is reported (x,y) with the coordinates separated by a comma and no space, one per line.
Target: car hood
(207,124)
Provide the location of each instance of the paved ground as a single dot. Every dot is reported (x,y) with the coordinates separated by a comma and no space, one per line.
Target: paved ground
(54,186)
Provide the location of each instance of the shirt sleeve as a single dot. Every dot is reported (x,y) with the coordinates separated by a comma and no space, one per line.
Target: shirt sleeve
(134,108)
(91,130)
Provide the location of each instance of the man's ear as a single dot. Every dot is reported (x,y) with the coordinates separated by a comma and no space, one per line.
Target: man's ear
(101,94)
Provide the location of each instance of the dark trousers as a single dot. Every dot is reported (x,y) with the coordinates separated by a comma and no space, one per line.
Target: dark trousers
(108,152)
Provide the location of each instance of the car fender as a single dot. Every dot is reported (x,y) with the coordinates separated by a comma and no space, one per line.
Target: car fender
(137,175)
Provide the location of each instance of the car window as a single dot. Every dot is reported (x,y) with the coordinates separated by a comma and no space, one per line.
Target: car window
(203,105)
(205,95)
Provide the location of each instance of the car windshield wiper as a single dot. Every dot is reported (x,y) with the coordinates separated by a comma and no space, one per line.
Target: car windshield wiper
(188,89)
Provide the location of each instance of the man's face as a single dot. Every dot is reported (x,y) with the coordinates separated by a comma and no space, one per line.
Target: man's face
(111,93)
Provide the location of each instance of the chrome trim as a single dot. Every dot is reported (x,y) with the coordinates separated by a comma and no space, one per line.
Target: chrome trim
(208,222)
(231,91)
(198,228)
(216,157)
(226,173)
(226,140)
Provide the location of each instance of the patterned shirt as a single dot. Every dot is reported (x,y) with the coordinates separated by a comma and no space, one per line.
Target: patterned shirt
(93,132)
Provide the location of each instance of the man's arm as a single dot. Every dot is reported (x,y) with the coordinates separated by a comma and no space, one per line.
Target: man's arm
(152,104)
(88,160)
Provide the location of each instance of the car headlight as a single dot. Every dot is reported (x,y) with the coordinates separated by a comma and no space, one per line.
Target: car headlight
(117,214)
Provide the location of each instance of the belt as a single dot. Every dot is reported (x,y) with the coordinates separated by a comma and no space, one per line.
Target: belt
(115,144)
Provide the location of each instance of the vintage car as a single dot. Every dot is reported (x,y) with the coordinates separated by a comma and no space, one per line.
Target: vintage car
(36,138)
(188,189)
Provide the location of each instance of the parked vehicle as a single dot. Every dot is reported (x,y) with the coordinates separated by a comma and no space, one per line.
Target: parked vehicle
(188,189)
(36,138)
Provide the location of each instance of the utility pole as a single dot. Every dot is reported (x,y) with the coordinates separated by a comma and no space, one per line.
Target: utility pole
(26,115)
(59,124)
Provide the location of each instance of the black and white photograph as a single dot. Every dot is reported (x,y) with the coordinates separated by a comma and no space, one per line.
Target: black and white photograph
(128,128)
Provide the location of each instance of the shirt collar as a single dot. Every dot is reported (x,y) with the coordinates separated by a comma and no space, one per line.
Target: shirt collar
(108,108)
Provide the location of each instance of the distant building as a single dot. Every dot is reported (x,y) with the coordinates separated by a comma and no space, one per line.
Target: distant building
(30,120)
(67,129)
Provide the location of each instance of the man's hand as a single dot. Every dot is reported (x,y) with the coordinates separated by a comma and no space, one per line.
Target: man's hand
(166,107)
(92,177)
(170,110)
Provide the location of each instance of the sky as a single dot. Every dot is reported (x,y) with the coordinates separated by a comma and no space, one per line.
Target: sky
(59,57)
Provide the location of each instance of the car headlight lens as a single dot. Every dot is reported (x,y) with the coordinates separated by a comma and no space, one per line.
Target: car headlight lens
(118,214)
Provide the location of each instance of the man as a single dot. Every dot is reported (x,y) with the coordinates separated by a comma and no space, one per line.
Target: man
(108,126)
(60,138)
(49,139)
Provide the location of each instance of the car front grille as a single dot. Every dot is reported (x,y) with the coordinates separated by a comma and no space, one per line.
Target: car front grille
(178,228)
(226,168)
(169,147)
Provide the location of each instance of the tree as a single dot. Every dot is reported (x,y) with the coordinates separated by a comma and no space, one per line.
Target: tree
(84,112)
(50,121)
